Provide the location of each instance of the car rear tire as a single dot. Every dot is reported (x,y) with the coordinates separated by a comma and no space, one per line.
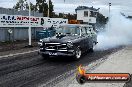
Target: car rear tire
(91,50)
(78,53)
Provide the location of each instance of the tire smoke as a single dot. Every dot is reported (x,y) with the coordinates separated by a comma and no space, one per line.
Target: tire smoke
(118,34)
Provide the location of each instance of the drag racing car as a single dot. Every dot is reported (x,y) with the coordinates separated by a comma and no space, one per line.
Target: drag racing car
(71,40)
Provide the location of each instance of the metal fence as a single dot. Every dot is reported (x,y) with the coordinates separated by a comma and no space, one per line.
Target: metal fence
(18,33)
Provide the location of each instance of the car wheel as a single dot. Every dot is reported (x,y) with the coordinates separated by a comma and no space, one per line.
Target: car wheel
(44,56)
(91,50)
(78,53)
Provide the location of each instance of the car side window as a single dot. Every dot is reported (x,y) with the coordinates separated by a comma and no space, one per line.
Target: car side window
(88,31)
(77,31)
(83,31)
(91,30)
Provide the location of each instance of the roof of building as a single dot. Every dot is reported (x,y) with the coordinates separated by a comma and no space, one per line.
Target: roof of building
(85,7)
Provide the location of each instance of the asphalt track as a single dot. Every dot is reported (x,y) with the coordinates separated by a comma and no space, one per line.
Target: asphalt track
(33,71)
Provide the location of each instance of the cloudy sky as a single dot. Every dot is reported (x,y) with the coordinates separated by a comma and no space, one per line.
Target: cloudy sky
(69,6)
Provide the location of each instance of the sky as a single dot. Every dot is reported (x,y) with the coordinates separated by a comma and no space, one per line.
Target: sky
(69,6)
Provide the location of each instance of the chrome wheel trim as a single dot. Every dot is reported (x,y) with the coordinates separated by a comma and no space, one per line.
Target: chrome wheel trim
(78,53)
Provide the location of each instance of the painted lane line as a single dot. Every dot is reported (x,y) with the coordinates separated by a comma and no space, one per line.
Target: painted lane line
(10,55)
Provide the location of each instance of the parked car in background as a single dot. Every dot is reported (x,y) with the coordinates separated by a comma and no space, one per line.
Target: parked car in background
(45,33)
(70,40)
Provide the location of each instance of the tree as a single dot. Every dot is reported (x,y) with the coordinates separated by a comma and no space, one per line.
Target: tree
(71,16)
(101,20)
(55,15)
(32,6)
(51,8)
(23,5)
(42,7)
(61,15)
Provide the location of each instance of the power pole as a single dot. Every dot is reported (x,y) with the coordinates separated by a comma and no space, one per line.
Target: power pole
(109,16)
(109,9)
(29,30)
(48,8)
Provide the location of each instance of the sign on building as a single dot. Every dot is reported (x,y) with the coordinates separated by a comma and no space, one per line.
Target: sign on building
(23,21)
(55,22)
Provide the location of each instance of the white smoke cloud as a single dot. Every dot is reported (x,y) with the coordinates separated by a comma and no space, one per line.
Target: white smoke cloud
(119,33)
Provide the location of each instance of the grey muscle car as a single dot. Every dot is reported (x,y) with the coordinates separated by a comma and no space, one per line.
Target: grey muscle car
(70,40)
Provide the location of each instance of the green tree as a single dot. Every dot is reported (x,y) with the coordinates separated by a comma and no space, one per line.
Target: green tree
(61,15)
(32,6)
(42,7)
(51,9)
(101,20)
(23,5)
(71,16)
(55,15)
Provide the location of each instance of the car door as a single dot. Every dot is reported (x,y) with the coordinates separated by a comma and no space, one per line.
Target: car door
(84,38)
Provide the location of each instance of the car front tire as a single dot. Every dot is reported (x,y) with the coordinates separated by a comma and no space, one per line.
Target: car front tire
(78,53)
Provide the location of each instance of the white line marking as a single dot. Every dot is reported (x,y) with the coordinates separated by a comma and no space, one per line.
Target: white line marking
(10,55)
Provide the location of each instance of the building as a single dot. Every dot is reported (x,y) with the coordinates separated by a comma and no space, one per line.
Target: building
(17,21)
(19,33)
(87,14)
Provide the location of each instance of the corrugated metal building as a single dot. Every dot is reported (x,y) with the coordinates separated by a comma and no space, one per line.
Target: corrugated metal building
(18,33)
